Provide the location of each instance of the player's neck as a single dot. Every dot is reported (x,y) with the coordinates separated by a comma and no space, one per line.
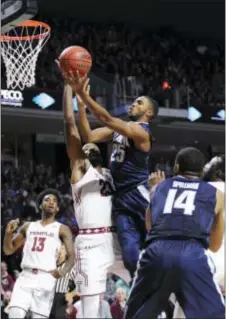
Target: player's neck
(47,220)
(142,120)
(99,169)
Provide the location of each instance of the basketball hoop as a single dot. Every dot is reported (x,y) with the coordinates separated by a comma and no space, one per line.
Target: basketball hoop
(20,48)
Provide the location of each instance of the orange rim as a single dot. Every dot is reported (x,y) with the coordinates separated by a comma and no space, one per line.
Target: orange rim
(29,23)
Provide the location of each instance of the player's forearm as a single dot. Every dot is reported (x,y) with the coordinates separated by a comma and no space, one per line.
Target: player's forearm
(8,247)
(68,105)
(84,126)
(99,112)
(68,265)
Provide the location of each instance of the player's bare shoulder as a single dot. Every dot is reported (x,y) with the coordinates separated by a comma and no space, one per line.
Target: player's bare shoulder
(78,169)
(219,202)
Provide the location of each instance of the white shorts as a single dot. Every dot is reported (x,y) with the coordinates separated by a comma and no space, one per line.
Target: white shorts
(94,255)
(34,292)
(218,259)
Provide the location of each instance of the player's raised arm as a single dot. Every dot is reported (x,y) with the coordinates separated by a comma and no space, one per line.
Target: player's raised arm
(87,134)
(13,242)
(66,237)
(217,233)
(73,141)
(131,130)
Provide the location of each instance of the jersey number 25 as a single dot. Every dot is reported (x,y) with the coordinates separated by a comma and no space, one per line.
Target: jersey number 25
(118,153)
(184,201)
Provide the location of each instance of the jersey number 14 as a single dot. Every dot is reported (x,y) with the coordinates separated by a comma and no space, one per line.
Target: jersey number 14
(184,201)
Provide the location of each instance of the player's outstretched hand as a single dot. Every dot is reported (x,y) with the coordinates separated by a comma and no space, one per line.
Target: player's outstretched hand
(81,104)
(12,226)
(79,84)
(156,177)
(55,273)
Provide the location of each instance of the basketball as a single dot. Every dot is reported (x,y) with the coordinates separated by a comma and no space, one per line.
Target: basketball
(74,59)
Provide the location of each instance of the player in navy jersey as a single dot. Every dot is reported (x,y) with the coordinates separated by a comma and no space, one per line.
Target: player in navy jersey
(132,142)
(186,218)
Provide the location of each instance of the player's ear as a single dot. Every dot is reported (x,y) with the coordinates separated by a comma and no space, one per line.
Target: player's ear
(149,113)
(202,173)
(176,168)
(41,206)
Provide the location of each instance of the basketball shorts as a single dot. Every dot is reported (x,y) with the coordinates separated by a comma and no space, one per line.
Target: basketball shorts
(34,292)
(218,259)
(94,255)
(182,267)
(118,267)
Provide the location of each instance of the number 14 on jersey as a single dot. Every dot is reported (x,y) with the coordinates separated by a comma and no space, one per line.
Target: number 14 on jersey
(184,201)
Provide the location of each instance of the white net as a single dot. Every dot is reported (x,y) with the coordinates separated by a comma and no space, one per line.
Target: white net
(20,48)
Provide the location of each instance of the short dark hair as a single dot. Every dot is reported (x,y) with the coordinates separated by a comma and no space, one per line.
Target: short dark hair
(215,169)
(154,105)
(190,160)
(54,192)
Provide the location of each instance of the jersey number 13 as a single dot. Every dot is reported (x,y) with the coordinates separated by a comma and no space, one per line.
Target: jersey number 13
(184,201)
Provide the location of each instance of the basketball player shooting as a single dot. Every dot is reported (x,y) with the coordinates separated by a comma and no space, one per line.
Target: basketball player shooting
(41,240)
(92,189)
(186,218)
(132,142)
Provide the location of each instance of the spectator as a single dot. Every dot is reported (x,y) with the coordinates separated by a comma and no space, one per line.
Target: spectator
(105,312)
(5,305)
(110,289)
(7,281)
(118,306)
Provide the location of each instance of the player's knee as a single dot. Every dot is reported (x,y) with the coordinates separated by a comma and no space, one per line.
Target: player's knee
(16,313)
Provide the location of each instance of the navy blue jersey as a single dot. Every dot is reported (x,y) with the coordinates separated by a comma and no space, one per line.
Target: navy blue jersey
(183,208)
(129,165)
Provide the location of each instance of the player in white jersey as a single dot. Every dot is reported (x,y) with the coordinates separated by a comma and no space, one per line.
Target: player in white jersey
(92,188)
(41,240)
(214,173)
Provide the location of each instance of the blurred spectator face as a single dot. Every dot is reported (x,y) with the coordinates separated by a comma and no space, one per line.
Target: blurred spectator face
(120,295)
(61,178)
(4,269)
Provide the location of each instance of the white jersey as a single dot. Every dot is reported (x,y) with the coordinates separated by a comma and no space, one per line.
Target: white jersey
(219,255)
(92,197)
(41,246)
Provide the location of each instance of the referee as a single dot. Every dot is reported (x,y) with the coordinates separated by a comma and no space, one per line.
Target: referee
(63,294)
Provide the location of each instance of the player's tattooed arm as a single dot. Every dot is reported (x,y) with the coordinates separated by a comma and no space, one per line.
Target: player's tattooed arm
(66,237)
(79,162)
(217,232)
(13,242)
(74,145)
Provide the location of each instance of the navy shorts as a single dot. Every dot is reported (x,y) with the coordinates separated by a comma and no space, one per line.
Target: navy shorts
(129,218)
(182,267)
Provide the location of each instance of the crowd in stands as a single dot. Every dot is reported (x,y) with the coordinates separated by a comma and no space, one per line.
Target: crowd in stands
(157,63)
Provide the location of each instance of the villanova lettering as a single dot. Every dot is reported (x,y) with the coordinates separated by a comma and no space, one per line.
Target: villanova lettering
(186,185)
